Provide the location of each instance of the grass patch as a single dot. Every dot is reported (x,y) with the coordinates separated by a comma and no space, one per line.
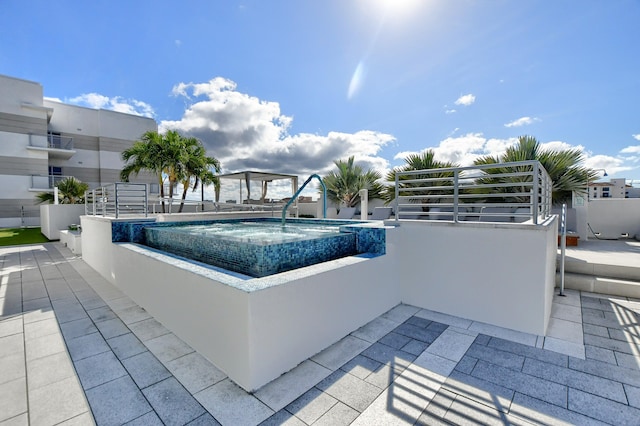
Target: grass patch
(19,236)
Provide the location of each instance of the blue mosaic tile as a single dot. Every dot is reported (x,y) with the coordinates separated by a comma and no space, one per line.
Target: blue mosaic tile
(255,258)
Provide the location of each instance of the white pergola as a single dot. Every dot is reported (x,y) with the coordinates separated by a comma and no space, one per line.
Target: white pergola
(263,177)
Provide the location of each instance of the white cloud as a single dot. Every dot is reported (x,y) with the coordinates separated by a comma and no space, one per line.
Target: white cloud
(178,43)
(466,100)
(634,149)
(636,136)
(522,121)
(53,99)
(117,103)
(612,165)
(450,111)
(247,133)
(559,146)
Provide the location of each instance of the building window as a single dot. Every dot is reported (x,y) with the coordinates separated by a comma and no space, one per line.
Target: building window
(55,171)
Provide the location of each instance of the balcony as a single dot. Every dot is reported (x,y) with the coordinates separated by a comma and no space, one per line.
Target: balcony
(56,145)
(45,183)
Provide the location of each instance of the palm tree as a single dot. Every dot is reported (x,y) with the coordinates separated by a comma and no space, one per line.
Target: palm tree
(424,161)
(70,191)
(147,154)
(344,185)
(563,166)
(196,167)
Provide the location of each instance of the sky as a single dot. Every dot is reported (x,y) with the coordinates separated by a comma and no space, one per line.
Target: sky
(290,86)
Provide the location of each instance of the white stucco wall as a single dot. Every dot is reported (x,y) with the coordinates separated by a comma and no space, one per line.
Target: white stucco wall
(57,217)
(502,274)
(614,217)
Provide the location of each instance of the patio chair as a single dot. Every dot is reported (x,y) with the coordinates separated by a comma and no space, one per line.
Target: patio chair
(346,213)
(381,213)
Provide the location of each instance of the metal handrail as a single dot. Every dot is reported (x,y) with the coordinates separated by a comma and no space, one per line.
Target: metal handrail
(512,192)
(324,197)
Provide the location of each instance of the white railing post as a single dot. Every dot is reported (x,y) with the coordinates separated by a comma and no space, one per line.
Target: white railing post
(563,246)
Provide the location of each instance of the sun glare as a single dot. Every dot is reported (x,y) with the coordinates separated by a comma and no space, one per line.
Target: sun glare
(394,9)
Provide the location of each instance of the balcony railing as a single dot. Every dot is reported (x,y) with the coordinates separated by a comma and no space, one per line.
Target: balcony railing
(117,199)
(506,192)
(51,140)
(46,182)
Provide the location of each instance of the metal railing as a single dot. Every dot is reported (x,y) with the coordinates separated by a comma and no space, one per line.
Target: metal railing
(117,199)
(503,192)
(51,140)
(46,181)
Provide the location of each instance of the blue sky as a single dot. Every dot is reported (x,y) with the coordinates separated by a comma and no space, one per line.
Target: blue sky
(290,86)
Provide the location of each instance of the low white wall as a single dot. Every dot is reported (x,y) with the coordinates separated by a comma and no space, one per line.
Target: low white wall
(256,336)
(57,217)
(614,217)
(495,273)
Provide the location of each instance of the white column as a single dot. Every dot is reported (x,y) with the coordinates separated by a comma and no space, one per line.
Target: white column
(364,204)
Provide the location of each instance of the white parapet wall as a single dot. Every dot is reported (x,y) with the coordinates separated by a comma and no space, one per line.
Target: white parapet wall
(501,274)
(255,329)
(57,217)
(613,218)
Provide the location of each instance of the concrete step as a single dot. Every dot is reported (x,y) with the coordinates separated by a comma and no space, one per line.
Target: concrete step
(609,270)
(604,285)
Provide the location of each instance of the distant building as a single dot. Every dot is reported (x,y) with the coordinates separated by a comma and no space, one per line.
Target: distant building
(42,142)
(615,188)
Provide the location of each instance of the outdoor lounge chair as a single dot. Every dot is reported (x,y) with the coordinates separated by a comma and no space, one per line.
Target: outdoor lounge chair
(381,213)
(346,213)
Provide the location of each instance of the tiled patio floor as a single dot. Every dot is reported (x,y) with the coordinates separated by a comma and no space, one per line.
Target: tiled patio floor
(76,350)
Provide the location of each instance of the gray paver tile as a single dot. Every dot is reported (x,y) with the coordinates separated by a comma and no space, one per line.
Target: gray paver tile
(539,412)
(101,314)
(168,347)
(98,369)
(286,388)
(145,369)
(444,318)
(612,344)
(311,405)
(600,354)
(565,330)
(83,419)
(528,351)
(56,402)
(149,419)
(230,404)
(633,395)
(451,345)
(608,371)
(44,346)
(496,356)
(121,303)
(12,367)
(195,372)
(19,420)
(172,402)
(479,390)
(388,355)
(112,328)
(337,415)
(126,346)
(94,303)
(417,333)
(566,312)
(133,314)
(504,333)
(545,390)
(415,347)
(148,329)
(11,326)
(383,376)
(602,409)
(466,364)
(375,329)
(576,379)
(40,328)
(207,420)
(595,330)
(400,313)
(349,389)
(438,406)
(419,321)
(85,346)
(575,350)
(117,402)
(50,369)
(340,352)
(13,398)
(463,409)
(395,340)
(361,366)
(628,361)
(77,328)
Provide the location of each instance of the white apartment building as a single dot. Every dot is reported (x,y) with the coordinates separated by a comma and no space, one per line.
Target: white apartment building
(42,142)
(615,188)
